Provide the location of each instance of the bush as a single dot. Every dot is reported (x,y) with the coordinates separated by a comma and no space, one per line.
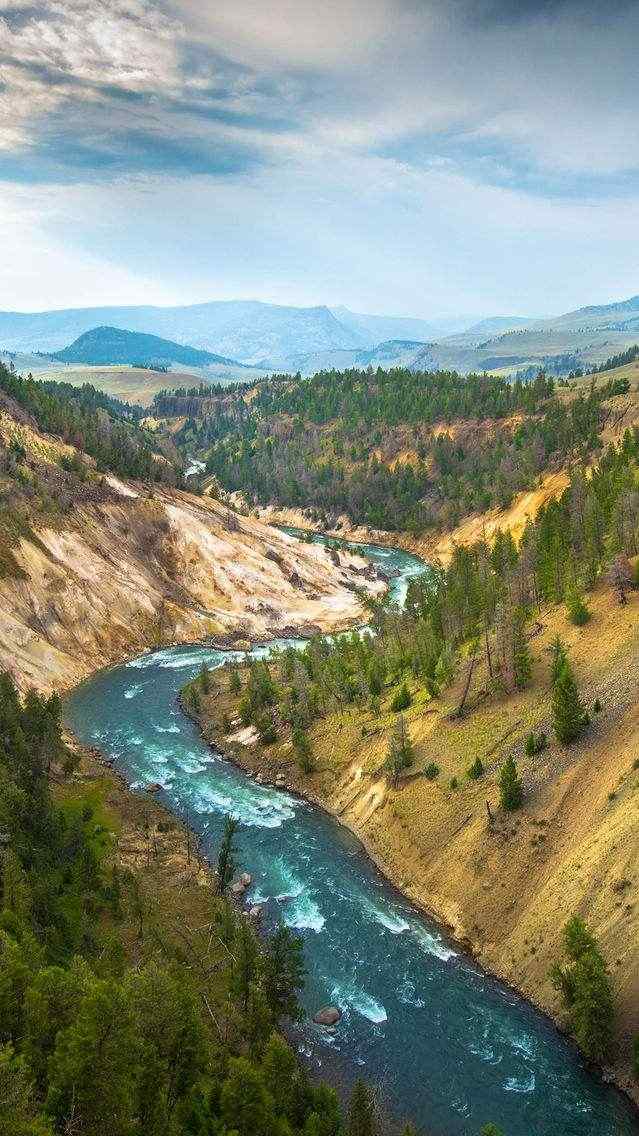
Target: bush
(578,612)
(453,783)
(402,699)
(535,743)
(597,707)
(431,771)
(476,770)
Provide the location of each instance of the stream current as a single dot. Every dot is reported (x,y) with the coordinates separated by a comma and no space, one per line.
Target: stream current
(448,1046)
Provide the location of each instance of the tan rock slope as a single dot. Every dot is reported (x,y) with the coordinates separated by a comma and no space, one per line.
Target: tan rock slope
(133,569)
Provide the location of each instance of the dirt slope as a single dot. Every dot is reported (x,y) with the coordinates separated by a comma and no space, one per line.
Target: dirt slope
(507,886)
(123,569)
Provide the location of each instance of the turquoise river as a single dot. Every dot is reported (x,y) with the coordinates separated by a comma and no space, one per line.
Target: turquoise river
(446,1045)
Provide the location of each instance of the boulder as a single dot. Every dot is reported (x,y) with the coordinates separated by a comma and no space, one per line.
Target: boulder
(327,1016)
(280,781)
(154,787)
(256,911)
(246,879)
(238,888)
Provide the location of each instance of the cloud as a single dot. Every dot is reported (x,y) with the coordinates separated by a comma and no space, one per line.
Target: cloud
(335,150)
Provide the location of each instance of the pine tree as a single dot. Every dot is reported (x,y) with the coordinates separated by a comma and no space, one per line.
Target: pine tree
(578,611)
(361,1113)
(303,750)
(401,699)
(585,985)
(235,682)
(205,679)
(522,664)
(511,791)
(226,860)
(401,754)
(568,713)
(559,657)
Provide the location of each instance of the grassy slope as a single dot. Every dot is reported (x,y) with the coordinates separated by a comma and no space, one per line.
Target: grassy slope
(507,888)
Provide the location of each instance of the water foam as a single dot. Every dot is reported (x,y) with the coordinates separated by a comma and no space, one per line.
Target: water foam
(304,914)
(175,729)
(133,691)
(431,944)
(253,809)
(520,1084)
(360,1000)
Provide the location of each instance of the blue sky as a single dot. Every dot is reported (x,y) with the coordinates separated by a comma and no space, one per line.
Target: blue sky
(417,157)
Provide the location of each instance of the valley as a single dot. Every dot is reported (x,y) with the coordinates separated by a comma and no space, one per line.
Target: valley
(110,558)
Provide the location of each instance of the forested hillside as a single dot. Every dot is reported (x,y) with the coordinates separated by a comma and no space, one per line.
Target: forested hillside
(484,743)
(135,999)
(391,449)
(103,427)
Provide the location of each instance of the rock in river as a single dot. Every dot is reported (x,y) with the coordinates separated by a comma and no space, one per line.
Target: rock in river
(327,1016)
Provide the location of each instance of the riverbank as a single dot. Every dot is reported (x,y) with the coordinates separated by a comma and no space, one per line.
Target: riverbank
(505,889)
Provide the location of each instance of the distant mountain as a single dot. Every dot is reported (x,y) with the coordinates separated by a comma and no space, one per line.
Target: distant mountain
(488,328)
(391,353)
(106,345)
(276,337)
(376,329)
(246,330)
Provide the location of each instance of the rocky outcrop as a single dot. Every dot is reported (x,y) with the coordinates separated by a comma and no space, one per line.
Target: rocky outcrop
(140,570)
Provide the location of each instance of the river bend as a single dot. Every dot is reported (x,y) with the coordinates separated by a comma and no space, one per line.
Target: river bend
(450,1047)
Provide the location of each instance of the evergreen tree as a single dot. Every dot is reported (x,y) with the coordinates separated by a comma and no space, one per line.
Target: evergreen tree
(522,664)
(302,749)
(511,791)
(284,974)
(226,856)
(577,610)
(205,679)
(401,699)
(361,1113)
(401,754)
(93,1067)
(584,983)
(568,713)
(235,682)
(476,769)
(559,658)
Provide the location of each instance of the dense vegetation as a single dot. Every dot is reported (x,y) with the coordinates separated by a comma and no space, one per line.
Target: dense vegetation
(182,1042)
(90,420)
(480,606)
(392,449)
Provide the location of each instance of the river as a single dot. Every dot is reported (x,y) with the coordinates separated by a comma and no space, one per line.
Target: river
(447,1046)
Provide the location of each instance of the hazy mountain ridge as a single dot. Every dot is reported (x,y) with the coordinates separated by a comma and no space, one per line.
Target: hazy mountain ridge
(118,345)
(279,337)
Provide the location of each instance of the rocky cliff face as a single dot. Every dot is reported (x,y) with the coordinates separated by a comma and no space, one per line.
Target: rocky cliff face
(127,569)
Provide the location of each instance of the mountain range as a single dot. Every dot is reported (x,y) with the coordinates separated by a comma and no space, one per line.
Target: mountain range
(277,337)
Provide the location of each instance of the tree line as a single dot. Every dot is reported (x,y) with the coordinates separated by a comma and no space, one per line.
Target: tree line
(93,422)
(362,443)
(92,1042)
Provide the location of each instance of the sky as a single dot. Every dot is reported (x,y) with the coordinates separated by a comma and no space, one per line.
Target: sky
(410,157)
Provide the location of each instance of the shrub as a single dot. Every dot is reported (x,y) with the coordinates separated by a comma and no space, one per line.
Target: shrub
(431,771)
(476,770)
(402,698)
